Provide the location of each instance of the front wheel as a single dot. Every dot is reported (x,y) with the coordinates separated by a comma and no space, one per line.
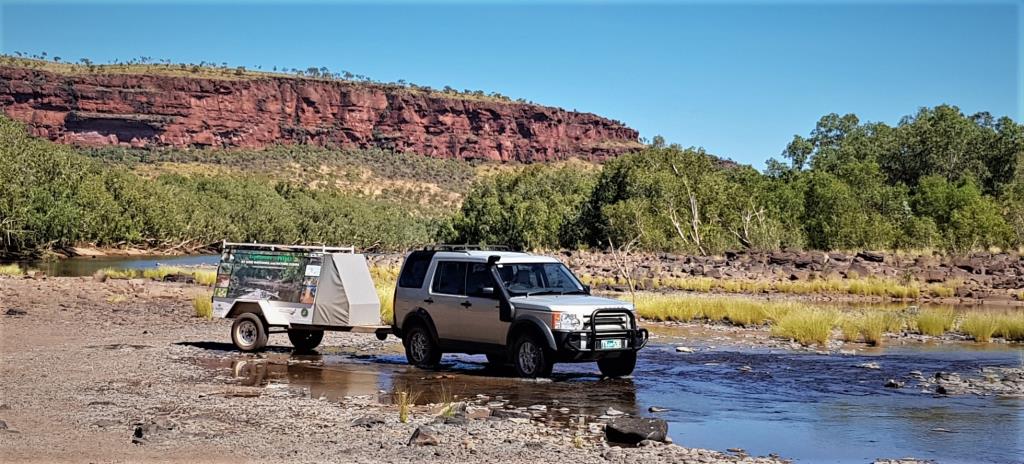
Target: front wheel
(531,357)
(420,349)
(618,367)
(248,332)
(305,340)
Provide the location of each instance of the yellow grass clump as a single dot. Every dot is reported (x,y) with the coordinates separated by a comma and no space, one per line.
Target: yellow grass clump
(384,280)
(980,325)
(203,305)
(11,270)
(112,273)
(806,325)
(935,321)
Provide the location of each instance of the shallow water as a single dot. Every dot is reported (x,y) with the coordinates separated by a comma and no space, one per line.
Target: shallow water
(810,407)
(86,266)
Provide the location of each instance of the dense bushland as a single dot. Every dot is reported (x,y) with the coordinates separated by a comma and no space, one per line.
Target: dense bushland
(54,196)
(939,180)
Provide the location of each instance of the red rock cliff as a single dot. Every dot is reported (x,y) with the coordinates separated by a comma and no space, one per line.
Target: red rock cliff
(145,110)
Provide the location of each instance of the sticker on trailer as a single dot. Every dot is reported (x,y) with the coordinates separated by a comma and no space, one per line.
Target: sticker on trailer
(312,270)
(221,308)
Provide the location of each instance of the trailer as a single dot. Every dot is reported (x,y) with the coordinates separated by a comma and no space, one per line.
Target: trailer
(294,289)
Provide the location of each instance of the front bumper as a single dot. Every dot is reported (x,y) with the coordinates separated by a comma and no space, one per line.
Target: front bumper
(593,344)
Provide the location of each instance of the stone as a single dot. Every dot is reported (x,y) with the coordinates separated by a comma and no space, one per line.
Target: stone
(475,412)
(15,312)
(3,425)
(869,365)
(893,383)
(424,436)
(871,256)
(657,409)
(684,349)
(510,414)
(188,112)
(613,412)
(633,430)
(367,422)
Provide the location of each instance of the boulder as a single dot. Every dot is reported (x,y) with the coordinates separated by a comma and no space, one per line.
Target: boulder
(871,256)
(633,430)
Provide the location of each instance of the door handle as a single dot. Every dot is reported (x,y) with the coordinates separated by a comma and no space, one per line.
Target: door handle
(466,304)
(428,300)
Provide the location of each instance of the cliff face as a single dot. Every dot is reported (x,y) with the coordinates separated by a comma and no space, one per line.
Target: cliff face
(144,110)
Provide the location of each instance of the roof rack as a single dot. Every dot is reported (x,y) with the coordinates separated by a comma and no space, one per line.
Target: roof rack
(457,247)
(278,247)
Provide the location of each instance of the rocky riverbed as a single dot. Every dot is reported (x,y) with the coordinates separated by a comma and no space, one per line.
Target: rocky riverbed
(113,371)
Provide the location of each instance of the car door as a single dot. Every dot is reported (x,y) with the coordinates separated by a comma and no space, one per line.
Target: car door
(481,318)
(446,297)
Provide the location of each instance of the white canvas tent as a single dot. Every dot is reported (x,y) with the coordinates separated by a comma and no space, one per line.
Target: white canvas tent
(345,295)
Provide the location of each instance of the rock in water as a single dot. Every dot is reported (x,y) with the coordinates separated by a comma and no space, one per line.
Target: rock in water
(424,436)
(893,383)
(684,349)
(633,430)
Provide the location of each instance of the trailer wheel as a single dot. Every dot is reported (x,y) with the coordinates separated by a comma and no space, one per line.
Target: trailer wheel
(248,332)
(420,349)
(305,340)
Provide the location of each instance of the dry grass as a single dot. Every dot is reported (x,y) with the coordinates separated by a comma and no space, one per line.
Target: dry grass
(1011,326)
(849,328)
(112,273)
(806,325)
(11,270)
(404,397)
(874,325)
(203,305)
(935,321)
(980,325)
(737,311)
(384,280)
(205,277)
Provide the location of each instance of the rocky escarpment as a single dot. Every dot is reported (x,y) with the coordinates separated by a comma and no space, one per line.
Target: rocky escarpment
(143,110)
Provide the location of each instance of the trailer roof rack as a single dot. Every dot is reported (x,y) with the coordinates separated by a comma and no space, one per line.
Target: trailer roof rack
(279,247)
(466,247)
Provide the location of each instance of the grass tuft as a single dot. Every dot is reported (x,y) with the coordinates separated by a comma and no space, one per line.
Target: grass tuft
(203,305)
(936,321)
(11,270)
(980,325)
(123,274)
(806,325)
(384,280)
(404,398)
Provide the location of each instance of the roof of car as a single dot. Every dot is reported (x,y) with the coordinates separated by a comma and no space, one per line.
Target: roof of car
(506,256)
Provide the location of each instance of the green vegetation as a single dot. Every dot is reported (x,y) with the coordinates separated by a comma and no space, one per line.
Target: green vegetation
(56,197)
(203,305)
(205,277)
(937,180)
(11,270)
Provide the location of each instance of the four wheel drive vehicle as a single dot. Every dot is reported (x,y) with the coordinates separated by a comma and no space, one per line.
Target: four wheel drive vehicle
(301,290)
(514,307)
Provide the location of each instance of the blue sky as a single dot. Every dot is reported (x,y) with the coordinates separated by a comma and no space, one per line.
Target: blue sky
(738,78)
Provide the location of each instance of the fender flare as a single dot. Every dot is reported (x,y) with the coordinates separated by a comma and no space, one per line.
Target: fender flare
(534,323)
(420,315)
(260,308)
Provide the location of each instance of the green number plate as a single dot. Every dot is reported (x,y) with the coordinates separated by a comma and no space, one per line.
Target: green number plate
(611,344)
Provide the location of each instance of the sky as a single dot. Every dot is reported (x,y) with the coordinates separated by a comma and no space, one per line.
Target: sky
(737,78)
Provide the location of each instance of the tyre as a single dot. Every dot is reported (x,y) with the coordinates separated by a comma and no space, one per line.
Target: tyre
(618,367)
(305,340)
(531,356)
(420,348)
(248,332)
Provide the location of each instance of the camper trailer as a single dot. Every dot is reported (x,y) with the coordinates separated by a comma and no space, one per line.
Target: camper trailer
(299,290)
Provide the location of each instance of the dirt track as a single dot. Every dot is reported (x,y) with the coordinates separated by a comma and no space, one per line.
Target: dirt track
(89,363)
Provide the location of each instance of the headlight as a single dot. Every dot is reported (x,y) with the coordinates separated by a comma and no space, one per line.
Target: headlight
(565,321)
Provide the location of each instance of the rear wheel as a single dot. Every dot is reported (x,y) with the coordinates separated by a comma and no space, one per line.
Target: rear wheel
(305,340)
(248,332)
(618,367)
(531,357)
(420,348)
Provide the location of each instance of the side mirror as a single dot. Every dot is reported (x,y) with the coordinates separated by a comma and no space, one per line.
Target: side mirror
(586,289)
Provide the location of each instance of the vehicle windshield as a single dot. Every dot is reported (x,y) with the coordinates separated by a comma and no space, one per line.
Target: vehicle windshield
(538,278)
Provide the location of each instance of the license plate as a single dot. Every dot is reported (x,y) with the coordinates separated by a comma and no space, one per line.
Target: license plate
(611,344)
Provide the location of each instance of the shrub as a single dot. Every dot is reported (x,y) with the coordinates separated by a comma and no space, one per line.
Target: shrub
(12,270)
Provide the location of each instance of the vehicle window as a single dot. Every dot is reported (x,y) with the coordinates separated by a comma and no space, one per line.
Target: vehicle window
(415,269)
(478,278)
(538,278)
(450,278)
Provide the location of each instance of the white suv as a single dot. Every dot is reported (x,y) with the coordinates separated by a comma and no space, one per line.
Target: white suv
(514,307)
